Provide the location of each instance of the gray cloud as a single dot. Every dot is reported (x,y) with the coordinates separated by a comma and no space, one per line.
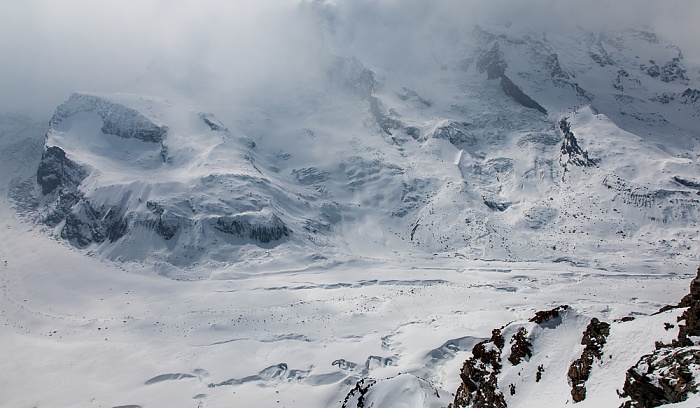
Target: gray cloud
(52,48)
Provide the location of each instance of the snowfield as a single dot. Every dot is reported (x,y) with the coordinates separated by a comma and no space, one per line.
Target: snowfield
(79,331)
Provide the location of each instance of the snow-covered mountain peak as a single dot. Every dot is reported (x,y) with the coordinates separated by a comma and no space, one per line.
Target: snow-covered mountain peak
(514,143)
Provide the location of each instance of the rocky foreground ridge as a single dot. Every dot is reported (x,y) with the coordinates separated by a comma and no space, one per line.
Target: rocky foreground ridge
(561,357)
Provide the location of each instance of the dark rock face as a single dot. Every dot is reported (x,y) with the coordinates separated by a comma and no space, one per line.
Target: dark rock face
(520,347)
(663,377)
(594,339)
(667,375)
(117,120)
(59,178)
(542,317)
(571,149)
(493,63)
(691,316)
(496,206)
(212,122)
(358,393)
(602,59)
(387,123)
(479,388)
(350,72)
(456,133)
(310,175)
(519,96)
(140,128)
(242,226)
(55,170)
(690,96)
(652,69)
(673,71)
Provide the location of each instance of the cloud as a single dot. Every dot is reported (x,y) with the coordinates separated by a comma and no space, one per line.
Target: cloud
(51,48)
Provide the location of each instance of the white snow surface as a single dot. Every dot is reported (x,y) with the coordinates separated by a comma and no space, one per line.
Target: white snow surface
(405,249)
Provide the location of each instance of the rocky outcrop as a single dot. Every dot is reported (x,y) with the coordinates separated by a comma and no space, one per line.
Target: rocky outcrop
(669,374)
(117,119)
(83,223)
(493,63)
(689,96)
(691,317)
(520,348)
(571,151)
(545,316)
(664,377)
(58,173)
(263,227)
(403,390)
(456,133)
(356,396)
(352,74)
(673,71)
(594,339)
(97,212)
(479,374)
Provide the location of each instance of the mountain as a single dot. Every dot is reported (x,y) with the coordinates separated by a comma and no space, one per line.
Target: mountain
(351,232)
(514,146)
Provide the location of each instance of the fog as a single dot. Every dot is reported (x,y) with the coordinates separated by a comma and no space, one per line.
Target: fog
(195,49)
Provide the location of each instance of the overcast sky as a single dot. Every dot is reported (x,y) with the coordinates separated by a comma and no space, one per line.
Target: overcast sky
(50,48)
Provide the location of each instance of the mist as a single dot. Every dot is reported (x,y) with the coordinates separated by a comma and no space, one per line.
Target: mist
(196,50)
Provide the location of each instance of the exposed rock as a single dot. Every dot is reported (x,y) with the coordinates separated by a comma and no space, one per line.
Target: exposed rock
(350,72)
(117,119)
(690,96)
(664,377)
(496,206)
(571,149)
(56,170)
(387,123)
(520,347)
(691,317)
(356,396)
(493,63)
(545,316)
(456,133)
(213,123)
(59,178)
(673,71)
(263,226)
(403,390)
(540,371)
(409,94)
(310,175)
(479,374)
(519,96)
(668,375)
(652,70)
(594,339)
(665,97)
(168,225)
(686,182)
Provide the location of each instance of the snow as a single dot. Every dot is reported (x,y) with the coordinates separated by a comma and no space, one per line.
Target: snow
(402,253)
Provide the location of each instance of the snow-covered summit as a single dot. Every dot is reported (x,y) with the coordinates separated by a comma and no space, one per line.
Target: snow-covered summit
(138,178)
